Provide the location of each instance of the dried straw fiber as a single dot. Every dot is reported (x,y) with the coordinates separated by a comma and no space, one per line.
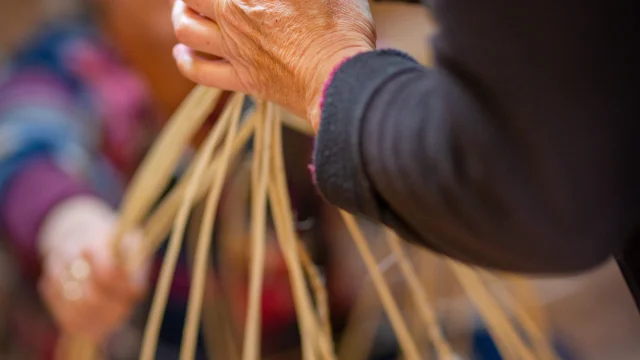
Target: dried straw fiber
(515,323)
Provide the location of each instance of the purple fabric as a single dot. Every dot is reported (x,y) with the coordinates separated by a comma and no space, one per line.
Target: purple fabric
(35,190)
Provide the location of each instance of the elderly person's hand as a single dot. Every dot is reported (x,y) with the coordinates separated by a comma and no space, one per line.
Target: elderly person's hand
(82,285)
(279,50)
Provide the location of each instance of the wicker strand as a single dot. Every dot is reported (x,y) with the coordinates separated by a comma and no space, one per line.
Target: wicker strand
(407,343)
(420,333)
(259,179)
(213,343)
(358,335)
(420,298)
(205,175)
(507,339)
(319,291)
(230,236)
(150,340)
(155,172)
(538,338)
(268,180)
(149,181)
(312,338)
(300,125)
(159,222)
(196,292)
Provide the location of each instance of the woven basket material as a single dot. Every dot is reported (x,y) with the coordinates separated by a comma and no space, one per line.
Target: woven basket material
(204,180)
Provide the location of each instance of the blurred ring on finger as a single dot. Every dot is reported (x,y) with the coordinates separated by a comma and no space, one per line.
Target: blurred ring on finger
(72,285)
(72,290)
(79,270)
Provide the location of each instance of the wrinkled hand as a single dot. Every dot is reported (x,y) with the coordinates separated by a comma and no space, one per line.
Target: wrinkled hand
(85,290)
(279,50)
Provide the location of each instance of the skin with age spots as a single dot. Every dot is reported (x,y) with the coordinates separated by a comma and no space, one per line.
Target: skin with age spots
(279,51)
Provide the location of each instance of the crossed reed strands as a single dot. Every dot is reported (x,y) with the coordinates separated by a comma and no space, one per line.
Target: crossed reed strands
(205,178)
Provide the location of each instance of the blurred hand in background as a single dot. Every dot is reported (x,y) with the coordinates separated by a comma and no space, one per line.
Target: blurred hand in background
(84,287)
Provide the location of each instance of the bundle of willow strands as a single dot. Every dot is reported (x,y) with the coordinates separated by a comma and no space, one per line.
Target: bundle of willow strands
(205,178)
(146,186)
(357,339)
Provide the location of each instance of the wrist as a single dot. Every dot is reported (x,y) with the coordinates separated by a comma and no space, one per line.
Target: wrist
(323,78)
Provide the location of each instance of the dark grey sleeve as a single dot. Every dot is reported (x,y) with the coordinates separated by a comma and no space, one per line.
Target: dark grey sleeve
(515,152)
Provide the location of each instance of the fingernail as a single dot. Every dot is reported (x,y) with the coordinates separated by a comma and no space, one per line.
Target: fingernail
(176,51)
(181,54)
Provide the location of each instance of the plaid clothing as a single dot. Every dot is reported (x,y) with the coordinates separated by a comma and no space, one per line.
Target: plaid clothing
(73,120)
(72,117)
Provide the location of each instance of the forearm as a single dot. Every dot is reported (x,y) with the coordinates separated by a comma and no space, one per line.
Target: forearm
(457,180)
(492,159)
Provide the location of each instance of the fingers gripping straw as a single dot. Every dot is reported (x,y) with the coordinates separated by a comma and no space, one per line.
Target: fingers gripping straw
(269,181)
(302,52)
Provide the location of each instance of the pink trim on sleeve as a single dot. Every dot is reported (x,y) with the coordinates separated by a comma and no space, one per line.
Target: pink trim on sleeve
(329,80)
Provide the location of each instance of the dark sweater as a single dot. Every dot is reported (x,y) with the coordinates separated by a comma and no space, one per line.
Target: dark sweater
(517,152)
